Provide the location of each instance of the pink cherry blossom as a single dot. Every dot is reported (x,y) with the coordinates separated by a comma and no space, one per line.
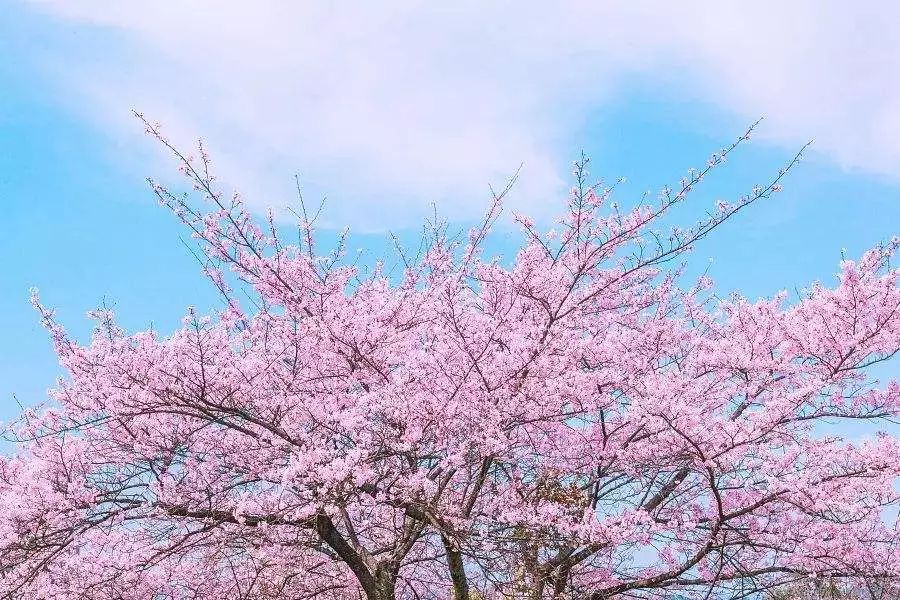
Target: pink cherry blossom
(577,423)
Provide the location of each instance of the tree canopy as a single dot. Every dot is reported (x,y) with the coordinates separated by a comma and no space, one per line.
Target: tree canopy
(575,423)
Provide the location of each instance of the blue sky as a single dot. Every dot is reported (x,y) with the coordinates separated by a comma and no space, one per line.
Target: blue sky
(390,110)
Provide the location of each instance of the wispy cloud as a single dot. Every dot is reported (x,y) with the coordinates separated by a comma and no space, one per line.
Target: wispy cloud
(394,105)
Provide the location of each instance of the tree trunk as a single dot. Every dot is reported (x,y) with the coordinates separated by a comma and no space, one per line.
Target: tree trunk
(457,570)
(385,584)
(378,583)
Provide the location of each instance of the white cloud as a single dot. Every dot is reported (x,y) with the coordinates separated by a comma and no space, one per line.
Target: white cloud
(394,105)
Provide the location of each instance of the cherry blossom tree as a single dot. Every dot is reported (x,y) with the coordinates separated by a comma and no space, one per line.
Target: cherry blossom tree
(577,422)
